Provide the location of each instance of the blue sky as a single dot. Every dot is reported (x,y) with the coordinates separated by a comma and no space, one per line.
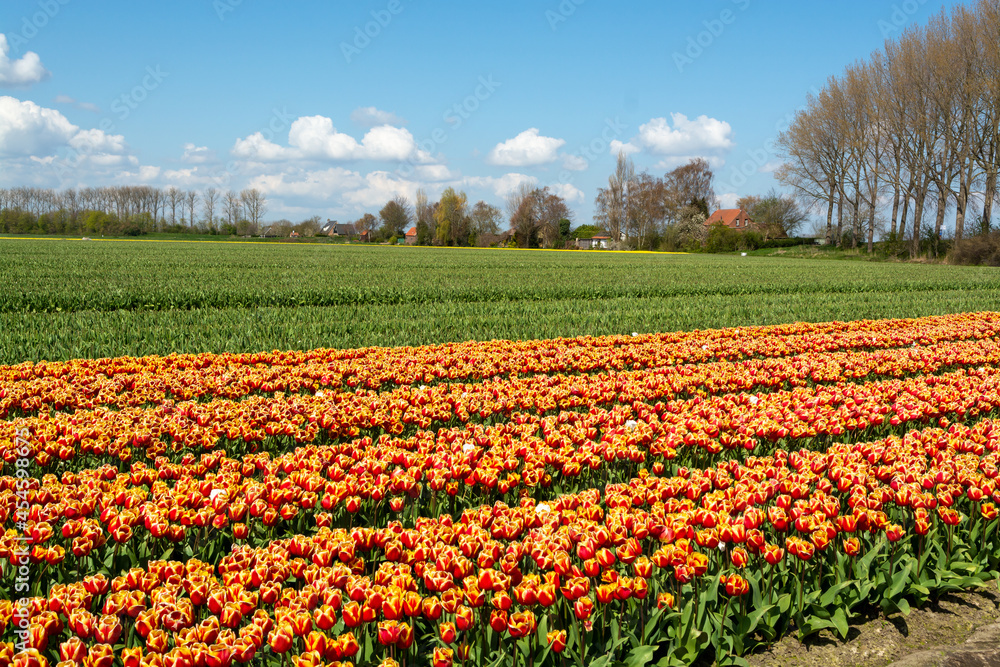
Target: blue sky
(332,108)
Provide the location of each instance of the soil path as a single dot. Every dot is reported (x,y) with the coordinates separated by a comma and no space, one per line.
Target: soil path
(958,630)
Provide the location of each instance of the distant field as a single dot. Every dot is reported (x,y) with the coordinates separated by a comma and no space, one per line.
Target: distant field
(69,299)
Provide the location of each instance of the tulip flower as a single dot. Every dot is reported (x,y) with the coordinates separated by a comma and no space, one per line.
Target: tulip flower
(447,632)
(442,657)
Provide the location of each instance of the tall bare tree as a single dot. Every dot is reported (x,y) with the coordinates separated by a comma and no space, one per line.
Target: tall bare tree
(233,207)
(209,200)
(255,207)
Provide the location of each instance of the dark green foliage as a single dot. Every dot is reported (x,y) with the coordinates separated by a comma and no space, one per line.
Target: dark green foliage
(68,298)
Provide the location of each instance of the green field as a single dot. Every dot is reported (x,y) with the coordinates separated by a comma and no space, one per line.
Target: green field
(68,299)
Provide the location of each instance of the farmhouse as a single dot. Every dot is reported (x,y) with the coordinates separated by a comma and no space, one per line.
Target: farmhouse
(593,243)
(734,218)
(411,236)
(335,228)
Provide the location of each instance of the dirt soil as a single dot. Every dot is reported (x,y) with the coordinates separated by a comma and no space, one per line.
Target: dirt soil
(958,630)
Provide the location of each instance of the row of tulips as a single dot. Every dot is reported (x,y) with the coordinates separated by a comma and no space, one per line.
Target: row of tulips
(530,448)
(97,511)
(456,468)
(133,382)
(783,539)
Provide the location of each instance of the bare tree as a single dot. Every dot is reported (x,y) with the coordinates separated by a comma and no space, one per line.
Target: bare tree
(255,206)
(612,203)
(233,207)
(191,198)
(521,213)
(209,199)
(692,185)
(174,199)
(486,218)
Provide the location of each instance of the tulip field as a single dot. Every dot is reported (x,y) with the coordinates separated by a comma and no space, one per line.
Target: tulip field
(72,299)
(643,499)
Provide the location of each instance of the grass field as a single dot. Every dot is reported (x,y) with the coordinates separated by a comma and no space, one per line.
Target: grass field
(71,299)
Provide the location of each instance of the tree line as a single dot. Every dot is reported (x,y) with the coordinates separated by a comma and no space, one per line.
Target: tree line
(635,210)
(131,210)
(535,218)
(910,132)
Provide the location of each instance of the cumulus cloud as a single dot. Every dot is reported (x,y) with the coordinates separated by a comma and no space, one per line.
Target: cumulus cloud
(43,147)
(315,185)
(680,136)
(567,191)
(379,187)
(372,117)
(315,138)
(728,200)
(714,161)
(432,172)
(197,154)
(28,129)
(24,71)
(256,147)
(623,147)
(501,186)
(526,149)
(575,162)
(96,141)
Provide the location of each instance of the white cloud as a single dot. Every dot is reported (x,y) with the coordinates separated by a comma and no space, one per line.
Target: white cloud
(28,129)
(526,149)
(315,138)
(627,147)
(379,187)
(770,167)
(728,200)
(575,162)
(567,191)
(312,185)
(24,71)
(501,186)
(96,141)
(256,147)
(432,172)
(148,173)
(197,154)
(372,117)
(674,161)
(680,136)
(64,99)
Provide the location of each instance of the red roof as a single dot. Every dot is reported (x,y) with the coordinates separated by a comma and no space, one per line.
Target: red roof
(730,217)
(600,237)
(412,231)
